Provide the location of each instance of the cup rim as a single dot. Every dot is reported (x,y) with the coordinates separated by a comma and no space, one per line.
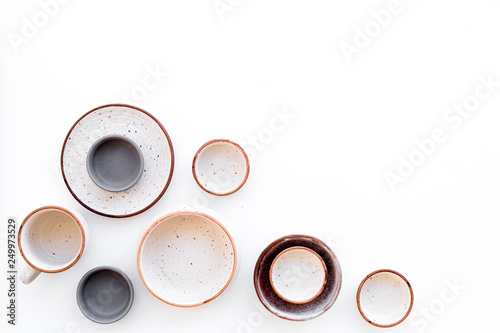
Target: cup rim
(106,138)
(85,278)
(82,246)
(247,166)
(168,216)
(304,249)
(358,301)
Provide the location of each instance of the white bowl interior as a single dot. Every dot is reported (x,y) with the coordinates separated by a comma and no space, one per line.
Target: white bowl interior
(51,239)
(221,167)
(385,298)
(187,259)
(298,275)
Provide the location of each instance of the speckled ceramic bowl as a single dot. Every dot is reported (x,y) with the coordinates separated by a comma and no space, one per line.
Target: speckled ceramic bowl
(298,274)
(384,298)
(220,167)
(136,125)
(186,259)
(288,310)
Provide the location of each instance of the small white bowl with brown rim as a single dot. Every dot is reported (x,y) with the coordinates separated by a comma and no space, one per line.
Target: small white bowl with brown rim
(220,167)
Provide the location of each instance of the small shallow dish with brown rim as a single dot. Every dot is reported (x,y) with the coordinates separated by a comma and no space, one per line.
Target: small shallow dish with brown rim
(220,167)
(293,311)
(384,298)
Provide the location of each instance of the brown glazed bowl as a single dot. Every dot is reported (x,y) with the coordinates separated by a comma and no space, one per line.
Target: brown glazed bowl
(291,311)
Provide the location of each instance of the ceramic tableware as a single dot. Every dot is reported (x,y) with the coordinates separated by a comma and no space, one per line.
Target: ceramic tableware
(220,167)
(144,133)
(277,304)
(298,274)
(384,298)
(115,163)
(186,258)
(51,240)
(105,294)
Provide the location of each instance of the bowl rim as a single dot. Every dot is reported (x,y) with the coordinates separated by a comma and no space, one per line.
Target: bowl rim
(167,217)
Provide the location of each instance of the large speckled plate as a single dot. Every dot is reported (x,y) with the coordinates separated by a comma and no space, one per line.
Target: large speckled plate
(136,124)
(288,310)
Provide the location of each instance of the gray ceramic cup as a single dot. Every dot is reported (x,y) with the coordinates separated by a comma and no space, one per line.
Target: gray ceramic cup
(105,294)
(115,163)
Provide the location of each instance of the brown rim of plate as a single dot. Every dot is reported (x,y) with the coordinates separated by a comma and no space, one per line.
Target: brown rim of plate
(82,247)
(308,250)
(247,169)
(359,292)
(171,163)
(271,247)
(160,220)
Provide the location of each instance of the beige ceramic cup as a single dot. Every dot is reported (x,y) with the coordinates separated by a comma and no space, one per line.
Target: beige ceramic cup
(51,240)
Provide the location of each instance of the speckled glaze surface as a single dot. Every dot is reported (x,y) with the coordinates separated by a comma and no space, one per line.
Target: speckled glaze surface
(140,127)
(186,259)
(220,167)
(384,298)
(51,239)
(105,294)
(298,274)
(291,311)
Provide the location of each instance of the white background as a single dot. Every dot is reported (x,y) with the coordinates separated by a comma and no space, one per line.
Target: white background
(321,173)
